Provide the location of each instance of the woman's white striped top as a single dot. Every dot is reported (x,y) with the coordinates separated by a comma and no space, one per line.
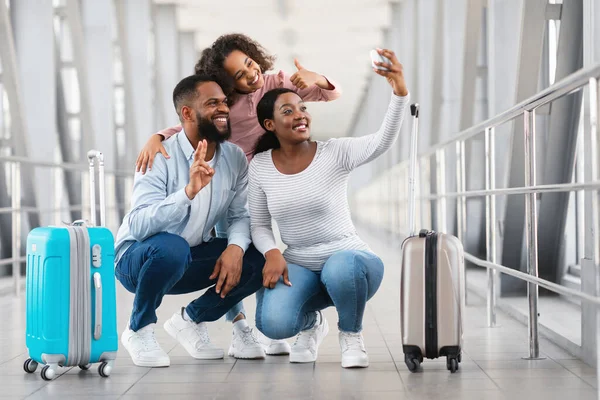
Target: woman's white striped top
(311,207)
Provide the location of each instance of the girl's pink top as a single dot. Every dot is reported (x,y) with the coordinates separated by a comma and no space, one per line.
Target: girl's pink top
(245,129)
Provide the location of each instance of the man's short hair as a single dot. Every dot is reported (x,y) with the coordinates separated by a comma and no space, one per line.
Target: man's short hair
(185,92)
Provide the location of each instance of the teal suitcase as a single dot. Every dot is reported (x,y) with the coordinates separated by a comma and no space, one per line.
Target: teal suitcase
(71,313)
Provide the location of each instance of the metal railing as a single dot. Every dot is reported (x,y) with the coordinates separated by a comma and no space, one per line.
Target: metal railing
(370,202)
(14,166)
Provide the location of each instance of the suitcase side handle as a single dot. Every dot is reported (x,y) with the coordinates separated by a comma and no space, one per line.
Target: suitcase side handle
(92,156)
(98,306)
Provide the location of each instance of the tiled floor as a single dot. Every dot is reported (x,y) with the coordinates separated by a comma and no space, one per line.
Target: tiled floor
(492,367)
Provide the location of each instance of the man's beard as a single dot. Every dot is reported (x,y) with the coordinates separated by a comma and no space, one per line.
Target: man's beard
(208,130)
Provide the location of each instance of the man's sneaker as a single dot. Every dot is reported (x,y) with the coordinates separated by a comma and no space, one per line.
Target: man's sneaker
(306,347)
(353,350)
(243,342)
(273,347)
(193,337)
(143,347)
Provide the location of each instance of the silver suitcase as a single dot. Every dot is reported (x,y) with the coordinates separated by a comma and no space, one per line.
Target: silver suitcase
(432,287)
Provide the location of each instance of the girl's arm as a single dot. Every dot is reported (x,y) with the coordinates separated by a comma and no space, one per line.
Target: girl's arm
(310,85)
(154,146)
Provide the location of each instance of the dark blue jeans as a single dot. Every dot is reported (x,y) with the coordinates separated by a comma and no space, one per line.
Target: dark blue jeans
(165,264)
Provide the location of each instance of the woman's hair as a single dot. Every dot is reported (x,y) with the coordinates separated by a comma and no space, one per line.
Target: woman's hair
(212,58)
(265,109)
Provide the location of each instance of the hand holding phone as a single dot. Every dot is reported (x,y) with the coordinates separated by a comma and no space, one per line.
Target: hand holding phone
(376,57)
(386,64)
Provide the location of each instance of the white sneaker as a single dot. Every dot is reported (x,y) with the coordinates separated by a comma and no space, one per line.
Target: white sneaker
(353,350)
(306,347)
(193,337)
(243,343)
(272,347)
(143,347)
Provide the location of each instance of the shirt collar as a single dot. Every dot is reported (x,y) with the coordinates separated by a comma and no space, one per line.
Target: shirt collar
(186,146)
(188,149)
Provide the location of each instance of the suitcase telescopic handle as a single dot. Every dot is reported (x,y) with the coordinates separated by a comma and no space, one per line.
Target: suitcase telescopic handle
(94,155)
(412,195)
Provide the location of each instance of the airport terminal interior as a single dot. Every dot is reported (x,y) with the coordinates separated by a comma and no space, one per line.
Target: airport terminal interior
(497,153)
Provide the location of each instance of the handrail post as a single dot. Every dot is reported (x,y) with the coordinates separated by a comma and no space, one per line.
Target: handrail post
(531,220)
(594,91)
(16,227)
(490,222)
(461,201)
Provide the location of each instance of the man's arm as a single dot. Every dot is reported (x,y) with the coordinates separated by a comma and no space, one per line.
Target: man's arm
(152,210)
(238,217)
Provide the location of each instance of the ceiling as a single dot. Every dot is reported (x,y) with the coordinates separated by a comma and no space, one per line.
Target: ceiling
(332,37)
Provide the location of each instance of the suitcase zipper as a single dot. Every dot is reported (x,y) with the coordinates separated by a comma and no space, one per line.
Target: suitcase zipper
(431,340)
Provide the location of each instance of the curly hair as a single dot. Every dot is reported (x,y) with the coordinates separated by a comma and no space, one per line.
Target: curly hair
(212,58)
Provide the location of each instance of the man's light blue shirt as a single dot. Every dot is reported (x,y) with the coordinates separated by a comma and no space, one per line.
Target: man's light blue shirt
(159,203)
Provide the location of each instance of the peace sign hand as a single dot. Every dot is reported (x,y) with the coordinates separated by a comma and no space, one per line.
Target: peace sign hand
(200,172)
(393,72)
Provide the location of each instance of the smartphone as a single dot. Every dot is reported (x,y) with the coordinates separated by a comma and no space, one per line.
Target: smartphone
(376,57)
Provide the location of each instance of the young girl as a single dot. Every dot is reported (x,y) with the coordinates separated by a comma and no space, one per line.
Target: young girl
(302,184)
(242,63)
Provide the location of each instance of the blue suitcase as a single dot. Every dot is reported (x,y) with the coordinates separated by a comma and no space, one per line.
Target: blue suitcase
(71,293)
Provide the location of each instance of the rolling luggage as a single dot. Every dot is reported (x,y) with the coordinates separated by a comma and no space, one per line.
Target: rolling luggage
(70,292)
(432,286)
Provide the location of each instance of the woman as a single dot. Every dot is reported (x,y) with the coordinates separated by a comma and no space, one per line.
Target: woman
(242,63)
(302,184)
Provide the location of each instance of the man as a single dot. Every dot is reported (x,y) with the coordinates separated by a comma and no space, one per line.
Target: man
(166,243)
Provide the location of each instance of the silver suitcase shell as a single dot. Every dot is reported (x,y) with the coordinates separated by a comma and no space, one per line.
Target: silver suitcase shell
(449,296)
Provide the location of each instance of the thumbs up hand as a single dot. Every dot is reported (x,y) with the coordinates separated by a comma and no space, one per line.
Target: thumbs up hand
(304,78)
(297,64)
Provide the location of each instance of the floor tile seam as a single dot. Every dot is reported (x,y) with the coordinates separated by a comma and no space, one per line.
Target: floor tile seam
(387,346)
(134,383)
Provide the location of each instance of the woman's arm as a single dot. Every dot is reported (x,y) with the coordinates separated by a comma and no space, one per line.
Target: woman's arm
(353,152)
(260,217)
(262,233)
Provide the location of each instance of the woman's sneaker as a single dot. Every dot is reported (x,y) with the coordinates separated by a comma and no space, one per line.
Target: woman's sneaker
(272,347)
(306,347)
(353,350)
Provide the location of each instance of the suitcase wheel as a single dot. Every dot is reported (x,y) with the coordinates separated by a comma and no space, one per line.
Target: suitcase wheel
(104,369)
(85,367)
(452,364)
(48,373)
(30,366)
(413,364)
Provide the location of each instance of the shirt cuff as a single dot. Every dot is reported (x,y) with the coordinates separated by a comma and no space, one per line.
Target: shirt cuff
(240,241)
(401,99)
(265,249)
(181,199)
(332,83)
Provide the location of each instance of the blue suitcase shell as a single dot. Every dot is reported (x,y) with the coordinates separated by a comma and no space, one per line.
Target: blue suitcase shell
(70,299)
